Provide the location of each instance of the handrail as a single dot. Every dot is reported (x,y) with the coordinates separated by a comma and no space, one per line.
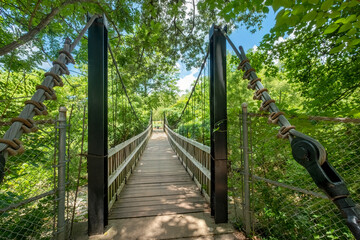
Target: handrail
(193,142)
(122,160)
(120,146)
(195,157)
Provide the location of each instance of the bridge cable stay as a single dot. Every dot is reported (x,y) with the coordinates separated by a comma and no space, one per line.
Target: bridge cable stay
(307,151)
(24,123)
(122,84)
(193,89)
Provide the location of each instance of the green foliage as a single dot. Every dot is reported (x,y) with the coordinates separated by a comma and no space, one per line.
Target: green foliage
(279,213)
(320,53)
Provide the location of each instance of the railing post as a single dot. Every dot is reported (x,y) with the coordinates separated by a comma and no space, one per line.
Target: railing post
(97,130)
(218,125)
(246,171)
(61,228)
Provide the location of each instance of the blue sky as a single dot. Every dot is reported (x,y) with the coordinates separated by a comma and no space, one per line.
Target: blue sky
(240,36)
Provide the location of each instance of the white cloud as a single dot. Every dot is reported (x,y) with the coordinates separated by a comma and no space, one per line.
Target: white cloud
(279,40)
(185,82)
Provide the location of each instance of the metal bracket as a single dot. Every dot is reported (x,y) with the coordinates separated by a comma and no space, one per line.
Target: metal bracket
(100,19)
(324,175)
(326,178)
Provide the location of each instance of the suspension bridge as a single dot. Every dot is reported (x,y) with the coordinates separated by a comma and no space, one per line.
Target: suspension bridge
(160,184)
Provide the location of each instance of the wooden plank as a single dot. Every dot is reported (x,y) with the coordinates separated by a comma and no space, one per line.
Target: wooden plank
(173,211)
(158,201)
(161,207)
(156,198)
(158,186)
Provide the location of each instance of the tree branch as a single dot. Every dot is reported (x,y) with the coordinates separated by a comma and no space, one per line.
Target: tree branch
(34,31)
(33,13)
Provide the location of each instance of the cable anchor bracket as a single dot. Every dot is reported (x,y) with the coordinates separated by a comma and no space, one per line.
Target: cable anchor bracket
(306,153)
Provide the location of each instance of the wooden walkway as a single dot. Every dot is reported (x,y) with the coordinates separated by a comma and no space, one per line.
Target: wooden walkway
(160,201)
(160,185)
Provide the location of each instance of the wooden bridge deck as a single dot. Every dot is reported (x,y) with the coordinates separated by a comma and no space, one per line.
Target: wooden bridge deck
(160,201)
(158,186)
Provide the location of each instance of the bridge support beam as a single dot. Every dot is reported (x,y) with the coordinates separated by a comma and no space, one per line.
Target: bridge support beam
(97,130)
(218,126)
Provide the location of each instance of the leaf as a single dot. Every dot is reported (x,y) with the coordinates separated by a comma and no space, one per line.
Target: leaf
(309,16)
(340,40)
(313,1)
(357,24)
(343,6)
(337,49)
(351,32)
(268,2)
(276,5)
(326,5)
(345,27)
(332,28)
(265,10)
(354,42)
(281,14)
(340,20)
(320,21)
(350,18)
(353,3)
(334,14)
(298,9)
(293,20)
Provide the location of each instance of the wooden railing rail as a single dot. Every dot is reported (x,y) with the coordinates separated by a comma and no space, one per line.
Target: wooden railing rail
(122,160)
(195,157)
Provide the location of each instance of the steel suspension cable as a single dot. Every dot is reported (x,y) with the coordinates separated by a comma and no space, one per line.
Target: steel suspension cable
(10,143)
(122,82)
(265,97)
(193,89)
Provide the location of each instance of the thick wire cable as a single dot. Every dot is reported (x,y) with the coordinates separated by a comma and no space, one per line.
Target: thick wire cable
(193,89)
(122,82)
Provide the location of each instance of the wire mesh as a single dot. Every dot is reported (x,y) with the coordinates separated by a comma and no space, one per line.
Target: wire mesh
(27,192)
(285,202)
(76,168)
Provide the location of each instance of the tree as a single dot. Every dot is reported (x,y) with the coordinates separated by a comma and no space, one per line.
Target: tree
(320,53)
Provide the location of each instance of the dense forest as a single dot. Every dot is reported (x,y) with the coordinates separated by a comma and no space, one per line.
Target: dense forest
(313,71)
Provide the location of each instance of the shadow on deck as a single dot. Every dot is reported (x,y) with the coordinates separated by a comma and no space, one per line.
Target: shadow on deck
(160,201)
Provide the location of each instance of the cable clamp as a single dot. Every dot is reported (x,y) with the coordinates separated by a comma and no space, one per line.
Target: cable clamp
(242,64)
(49,92)
(284,132)
(247,73)
(63,67)
(14,146)
(274,117)
(69,57)
(39,109)
(252,83)
(28,124)
(258,93)
(57,80)
(266,104)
